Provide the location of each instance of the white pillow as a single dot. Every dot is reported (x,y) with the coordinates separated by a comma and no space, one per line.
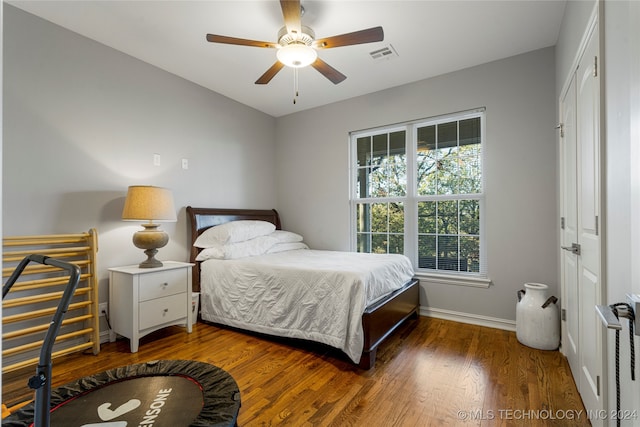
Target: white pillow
(288,246)
(233,232)
(286,236)
(258,246)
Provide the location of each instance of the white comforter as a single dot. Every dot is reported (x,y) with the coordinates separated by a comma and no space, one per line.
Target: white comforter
(309,294)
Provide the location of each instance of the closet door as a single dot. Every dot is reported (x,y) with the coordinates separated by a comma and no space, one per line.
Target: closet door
(581,257)
(589,231)
(569,229)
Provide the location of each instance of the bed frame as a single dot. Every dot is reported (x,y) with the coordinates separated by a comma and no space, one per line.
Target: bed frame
(378,321)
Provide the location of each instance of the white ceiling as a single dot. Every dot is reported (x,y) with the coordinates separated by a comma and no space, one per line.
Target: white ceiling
(430,37)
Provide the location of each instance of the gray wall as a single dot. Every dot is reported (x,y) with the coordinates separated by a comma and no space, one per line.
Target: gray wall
(82,122)
(521,207)
(622,106)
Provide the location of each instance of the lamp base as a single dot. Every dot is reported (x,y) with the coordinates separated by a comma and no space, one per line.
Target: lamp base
(151,261)
(150,239)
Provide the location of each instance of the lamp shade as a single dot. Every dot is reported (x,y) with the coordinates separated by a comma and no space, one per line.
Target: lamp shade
(148,203)
(296,55)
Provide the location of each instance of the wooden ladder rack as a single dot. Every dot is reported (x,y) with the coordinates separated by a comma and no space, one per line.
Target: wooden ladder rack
(33,299)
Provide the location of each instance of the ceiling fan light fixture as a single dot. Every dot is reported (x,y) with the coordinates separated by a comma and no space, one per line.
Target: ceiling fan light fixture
(296,55)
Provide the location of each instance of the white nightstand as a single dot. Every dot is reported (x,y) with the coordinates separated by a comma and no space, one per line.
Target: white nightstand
(143,300)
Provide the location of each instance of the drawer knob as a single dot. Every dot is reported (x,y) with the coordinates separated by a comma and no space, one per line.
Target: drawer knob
(166,310)
(165,284)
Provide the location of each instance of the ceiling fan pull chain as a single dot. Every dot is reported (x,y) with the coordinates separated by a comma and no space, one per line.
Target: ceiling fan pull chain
(295,85)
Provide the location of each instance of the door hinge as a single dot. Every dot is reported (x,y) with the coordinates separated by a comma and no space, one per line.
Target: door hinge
(561,127)
(598,385)
(562,223)
(597,227)
(595,66)
(563,314)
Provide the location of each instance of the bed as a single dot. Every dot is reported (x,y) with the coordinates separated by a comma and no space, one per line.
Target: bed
(372,314)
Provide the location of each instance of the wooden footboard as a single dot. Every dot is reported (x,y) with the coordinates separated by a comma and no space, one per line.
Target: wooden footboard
(382,318)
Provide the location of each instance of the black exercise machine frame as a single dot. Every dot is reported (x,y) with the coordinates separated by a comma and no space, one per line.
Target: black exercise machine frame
(41,381)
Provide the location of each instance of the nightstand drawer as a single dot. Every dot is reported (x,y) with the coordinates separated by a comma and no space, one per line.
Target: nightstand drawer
(162,310)
(162,284)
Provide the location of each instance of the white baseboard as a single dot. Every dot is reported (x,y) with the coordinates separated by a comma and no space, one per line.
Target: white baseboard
(104,337)
(473,319)
(438,313)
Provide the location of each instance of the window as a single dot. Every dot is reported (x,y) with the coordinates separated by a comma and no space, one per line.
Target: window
(417,189)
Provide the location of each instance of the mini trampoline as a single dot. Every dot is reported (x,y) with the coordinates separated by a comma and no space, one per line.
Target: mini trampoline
(161,393)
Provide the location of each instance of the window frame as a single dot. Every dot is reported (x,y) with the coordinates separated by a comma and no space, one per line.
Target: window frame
(411,199)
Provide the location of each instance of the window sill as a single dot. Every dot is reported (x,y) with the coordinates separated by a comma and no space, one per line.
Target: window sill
(457,280)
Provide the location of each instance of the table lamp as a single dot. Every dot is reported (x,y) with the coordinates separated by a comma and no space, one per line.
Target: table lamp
(148,203)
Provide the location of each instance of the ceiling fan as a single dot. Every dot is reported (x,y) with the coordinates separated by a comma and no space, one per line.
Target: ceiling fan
(296,46)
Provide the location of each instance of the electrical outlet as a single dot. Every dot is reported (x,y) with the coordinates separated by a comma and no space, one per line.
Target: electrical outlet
(103,308)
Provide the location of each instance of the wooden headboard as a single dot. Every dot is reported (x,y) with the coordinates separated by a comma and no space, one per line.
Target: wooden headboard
(201,219)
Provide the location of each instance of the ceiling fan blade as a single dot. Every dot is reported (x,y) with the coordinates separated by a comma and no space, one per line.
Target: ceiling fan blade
(328,71)
(270,73)
(375,34)
(214,38)
(291,14)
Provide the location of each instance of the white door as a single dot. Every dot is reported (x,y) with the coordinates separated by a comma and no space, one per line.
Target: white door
(589,261)
(569,229)
(581,268)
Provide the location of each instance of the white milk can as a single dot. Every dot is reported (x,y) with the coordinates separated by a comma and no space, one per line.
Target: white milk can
(537,318)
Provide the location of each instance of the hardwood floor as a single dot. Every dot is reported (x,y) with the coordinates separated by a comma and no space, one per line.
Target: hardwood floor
(430,372)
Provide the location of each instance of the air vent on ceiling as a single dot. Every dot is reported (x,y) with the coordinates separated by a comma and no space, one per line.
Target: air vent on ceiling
(386,52)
